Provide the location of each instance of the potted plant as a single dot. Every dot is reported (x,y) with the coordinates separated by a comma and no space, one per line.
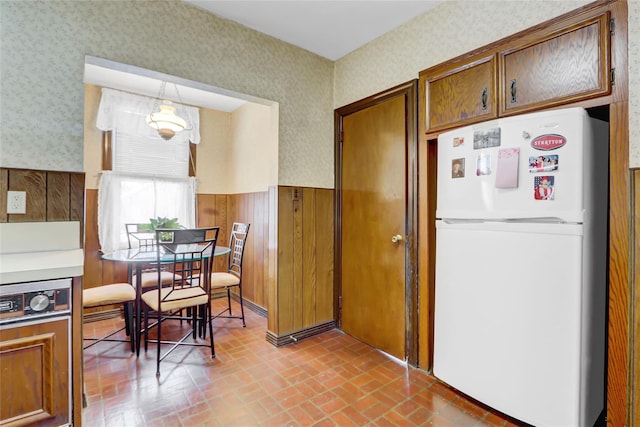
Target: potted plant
(163,223)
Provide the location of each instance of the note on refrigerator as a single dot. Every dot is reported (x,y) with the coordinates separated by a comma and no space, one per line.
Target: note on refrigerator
(507,168)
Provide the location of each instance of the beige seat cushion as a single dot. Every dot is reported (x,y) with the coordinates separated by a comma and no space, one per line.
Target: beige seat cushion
(222,280)
(150,278)
(196,296)
(108,294)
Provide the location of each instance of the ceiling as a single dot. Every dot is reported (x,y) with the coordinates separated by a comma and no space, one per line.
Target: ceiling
(329,28)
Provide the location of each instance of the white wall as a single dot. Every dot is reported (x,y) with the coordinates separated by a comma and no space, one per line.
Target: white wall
(253,153)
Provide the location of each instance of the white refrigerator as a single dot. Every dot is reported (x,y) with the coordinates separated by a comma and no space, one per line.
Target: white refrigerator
(521,265)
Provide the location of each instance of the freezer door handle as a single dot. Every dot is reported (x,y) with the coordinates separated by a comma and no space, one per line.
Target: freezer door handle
(397,238)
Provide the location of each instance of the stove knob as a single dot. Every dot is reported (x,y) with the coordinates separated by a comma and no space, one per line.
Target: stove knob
(39,302)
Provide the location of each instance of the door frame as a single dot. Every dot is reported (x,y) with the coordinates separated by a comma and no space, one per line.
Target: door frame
(410,92)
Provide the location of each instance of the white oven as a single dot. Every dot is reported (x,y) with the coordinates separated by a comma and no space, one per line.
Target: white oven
(38,262)
(35,353)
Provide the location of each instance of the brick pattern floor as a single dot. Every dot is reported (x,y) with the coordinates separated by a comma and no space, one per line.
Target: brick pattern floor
(330,379)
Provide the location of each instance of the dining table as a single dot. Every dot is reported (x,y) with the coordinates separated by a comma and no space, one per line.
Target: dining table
(142,257)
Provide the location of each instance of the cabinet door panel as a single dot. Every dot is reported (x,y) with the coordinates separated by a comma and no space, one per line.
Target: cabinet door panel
(34,373)
(461,95)
(563,67)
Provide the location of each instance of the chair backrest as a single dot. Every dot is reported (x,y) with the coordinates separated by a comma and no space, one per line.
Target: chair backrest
(189,254)
(140,235)
(237,240)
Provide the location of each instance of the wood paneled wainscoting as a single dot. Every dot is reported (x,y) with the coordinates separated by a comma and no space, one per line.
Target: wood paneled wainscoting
(288,260)
(51,195)
(252,208)
(213,210)
(301,259)
(634,340)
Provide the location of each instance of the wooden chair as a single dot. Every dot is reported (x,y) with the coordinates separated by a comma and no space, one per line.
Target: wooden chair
(191,257)
(232,278)
(116,293)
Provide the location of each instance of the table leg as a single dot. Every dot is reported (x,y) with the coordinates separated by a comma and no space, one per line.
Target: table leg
(138,307)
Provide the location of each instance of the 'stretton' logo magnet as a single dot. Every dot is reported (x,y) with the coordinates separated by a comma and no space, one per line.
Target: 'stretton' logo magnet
(548,142)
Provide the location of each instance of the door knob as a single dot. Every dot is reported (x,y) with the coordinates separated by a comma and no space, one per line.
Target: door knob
(397,238)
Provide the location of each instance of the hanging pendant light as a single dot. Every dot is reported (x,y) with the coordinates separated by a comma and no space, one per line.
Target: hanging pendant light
(165,121)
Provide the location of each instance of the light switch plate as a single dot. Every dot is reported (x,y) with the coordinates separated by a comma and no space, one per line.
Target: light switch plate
(16,202)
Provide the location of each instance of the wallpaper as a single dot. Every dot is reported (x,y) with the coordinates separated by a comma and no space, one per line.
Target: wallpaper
(42,53)
(456,27)
(43,45)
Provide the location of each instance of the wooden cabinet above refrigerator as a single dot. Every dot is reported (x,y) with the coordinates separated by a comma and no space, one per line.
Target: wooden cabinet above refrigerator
(556,63)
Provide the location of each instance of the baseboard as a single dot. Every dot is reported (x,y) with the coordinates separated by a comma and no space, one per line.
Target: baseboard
(96,316)
(260,311)
(101,315)
(299,335)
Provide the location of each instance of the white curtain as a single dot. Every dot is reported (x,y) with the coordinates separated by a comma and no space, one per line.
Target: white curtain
(126,199)
(128,113)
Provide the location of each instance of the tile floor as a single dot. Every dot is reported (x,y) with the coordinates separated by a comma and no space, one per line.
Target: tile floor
(330,379)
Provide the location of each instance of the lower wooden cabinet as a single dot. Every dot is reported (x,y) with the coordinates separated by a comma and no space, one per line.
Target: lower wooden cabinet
(35,373)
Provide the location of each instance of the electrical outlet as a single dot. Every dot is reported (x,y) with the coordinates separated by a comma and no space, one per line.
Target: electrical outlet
(16,202)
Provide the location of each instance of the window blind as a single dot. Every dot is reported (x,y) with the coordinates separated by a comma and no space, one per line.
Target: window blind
(149,156)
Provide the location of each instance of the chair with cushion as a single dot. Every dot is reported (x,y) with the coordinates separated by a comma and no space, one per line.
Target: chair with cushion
(140,236)
(190,255)
(232,278)
(116,293)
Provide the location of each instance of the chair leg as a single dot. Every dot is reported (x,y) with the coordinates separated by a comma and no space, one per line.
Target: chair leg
(208,312)
(128,315)
(229,300)
(244,325)
(146,329)
(159,325)
(195,311)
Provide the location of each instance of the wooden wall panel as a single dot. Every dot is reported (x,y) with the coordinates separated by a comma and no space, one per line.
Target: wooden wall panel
(635,303)
(92,261)
(35,184)
(308,257)
(4,186)
(260,246)
(250,208)
(96,271)
(212,211)
(57,199)
(51,195)
(285,268)
(224,210)
(324,229)
(305,233)
(76,197)
(273,260)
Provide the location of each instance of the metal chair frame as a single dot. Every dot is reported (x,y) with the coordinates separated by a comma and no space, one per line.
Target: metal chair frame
(191,255)
(128,325)
(237,242)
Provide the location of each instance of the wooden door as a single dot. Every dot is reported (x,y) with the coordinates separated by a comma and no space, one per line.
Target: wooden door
(375,292)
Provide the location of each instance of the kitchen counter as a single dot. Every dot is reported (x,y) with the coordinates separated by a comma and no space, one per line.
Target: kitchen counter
(31,266)
(40,251)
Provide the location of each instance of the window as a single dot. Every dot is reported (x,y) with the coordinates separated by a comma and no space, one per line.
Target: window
(149,177)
